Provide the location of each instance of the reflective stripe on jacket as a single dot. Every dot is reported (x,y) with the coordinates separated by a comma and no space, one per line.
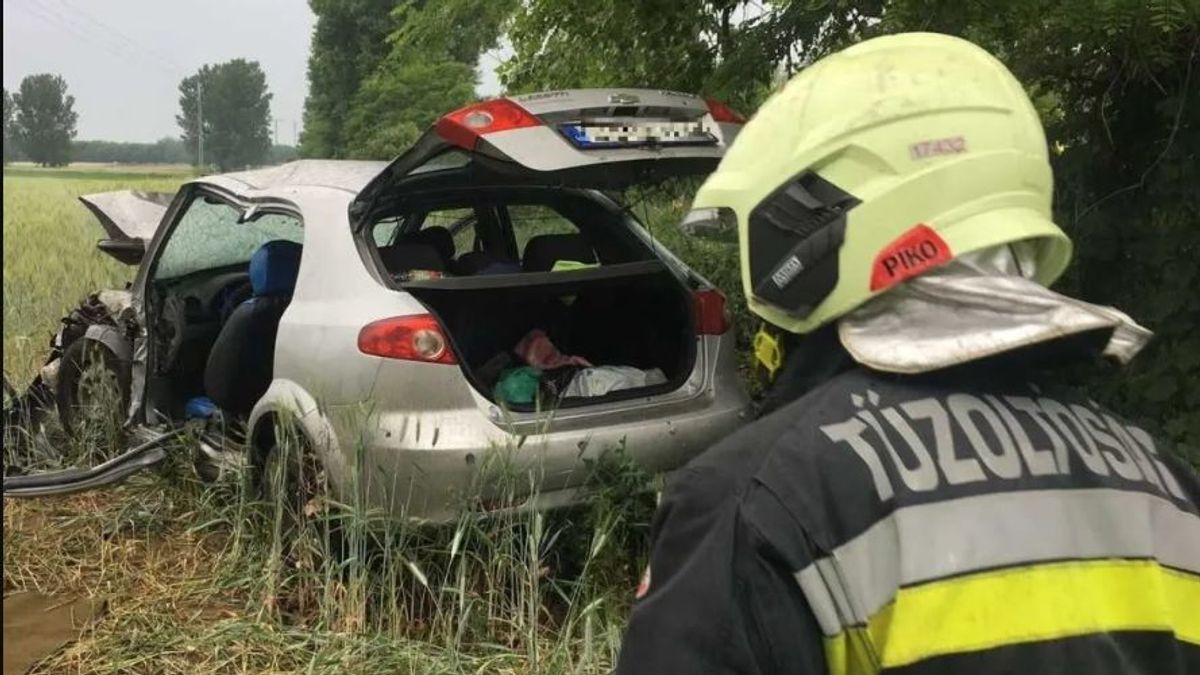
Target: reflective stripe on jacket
(933,524)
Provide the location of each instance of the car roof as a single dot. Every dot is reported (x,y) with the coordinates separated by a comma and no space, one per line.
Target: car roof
(342,174)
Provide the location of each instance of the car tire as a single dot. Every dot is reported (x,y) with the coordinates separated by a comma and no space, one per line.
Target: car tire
(80,386)
(290,480)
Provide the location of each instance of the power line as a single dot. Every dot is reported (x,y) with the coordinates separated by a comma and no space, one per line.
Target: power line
(121,35)
(51,17)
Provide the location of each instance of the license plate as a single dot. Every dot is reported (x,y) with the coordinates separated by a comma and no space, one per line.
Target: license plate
(620,135)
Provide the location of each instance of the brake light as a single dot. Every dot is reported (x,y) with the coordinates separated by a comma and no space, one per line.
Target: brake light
(712,317)
(464,126)
(410,338)
(723,113)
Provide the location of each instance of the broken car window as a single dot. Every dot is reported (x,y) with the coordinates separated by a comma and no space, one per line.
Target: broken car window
(209,236)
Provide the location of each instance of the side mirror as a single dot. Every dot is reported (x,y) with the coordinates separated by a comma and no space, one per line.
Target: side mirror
(711,224)
(128,251)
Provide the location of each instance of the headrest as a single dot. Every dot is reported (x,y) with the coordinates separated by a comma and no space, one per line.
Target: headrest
(274,268)
(544,250)
(399,258)
(473,262)
(437,236)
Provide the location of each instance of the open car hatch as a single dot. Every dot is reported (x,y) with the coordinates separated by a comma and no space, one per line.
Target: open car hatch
(592,138)
(129,218)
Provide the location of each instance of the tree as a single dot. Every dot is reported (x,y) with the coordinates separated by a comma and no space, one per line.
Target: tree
(458,30)
(732,49)
(348,43)
(400,100)
(45,119)
(236,113)
(381,71)
(9,111)
(428,71)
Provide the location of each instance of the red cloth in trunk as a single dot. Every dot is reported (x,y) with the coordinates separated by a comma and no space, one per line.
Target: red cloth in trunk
(537,350)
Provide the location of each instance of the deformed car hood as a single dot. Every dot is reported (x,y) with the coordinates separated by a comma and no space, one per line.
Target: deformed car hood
(128,214)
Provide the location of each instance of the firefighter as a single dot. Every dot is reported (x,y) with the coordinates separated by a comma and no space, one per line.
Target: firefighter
(925,495)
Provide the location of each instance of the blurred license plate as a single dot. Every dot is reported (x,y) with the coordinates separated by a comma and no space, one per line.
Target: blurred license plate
(612,135)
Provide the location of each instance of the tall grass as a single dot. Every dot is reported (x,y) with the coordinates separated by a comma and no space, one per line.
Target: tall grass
(327,584)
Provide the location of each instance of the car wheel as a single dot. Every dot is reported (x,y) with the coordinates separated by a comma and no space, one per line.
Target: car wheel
(291,481)
(92,393)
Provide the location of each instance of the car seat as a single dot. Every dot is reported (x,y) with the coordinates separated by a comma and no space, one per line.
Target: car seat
(436,236)
(241,364)
(544,250)
(403,257)
(484,262)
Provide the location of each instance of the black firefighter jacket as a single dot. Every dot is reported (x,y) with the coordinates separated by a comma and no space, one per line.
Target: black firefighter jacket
(961,524)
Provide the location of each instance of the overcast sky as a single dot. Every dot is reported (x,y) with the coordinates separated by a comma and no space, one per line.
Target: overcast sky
(123,59)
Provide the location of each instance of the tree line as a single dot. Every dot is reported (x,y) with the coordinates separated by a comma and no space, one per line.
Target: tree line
(224,112)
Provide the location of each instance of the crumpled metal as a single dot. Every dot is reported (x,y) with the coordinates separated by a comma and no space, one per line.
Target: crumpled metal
(976,306)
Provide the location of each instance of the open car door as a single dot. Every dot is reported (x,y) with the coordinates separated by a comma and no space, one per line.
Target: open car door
(594,138)
(129,218)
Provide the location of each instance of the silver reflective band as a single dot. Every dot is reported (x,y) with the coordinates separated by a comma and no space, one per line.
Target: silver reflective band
(1081,441)
(927,542)
(712,223)
(976,306)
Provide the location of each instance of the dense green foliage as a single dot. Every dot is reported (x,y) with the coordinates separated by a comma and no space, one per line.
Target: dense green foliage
(400,100)
(44,119)
(234,104)
(381,72)
(732,49)
(348,42)
(162,151)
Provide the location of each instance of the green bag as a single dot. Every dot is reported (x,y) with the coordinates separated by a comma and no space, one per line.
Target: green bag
(518,385)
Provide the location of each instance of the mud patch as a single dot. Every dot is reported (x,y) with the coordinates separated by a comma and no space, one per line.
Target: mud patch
(37,625)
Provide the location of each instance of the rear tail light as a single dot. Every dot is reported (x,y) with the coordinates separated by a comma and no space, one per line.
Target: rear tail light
(464,126)
(723,113)
(712,317)
(411,338)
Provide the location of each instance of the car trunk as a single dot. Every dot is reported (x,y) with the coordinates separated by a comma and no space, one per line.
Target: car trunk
(635,314)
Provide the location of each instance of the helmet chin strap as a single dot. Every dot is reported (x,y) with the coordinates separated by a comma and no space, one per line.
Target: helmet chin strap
(981,304)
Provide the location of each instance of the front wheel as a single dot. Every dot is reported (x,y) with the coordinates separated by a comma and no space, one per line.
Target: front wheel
(92,392)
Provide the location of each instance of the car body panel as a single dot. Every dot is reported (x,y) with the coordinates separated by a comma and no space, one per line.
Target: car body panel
(129,218)
(128,214)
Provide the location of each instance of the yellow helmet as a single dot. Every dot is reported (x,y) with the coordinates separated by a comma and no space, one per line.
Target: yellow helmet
(879,163)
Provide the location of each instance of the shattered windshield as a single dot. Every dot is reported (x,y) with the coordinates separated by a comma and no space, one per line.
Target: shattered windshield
(209,236)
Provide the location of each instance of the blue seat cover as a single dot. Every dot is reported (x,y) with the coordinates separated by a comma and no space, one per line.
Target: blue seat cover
(274,268)
(199,408)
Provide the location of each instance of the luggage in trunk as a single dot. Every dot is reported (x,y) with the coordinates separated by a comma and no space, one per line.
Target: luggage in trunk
(635,314)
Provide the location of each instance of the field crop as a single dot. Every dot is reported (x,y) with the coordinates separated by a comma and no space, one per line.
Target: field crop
(200,577)
(50,256)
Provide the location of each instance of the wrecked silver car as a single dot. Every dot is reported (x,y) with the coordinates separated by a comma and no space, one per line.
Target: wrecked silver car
(483,293)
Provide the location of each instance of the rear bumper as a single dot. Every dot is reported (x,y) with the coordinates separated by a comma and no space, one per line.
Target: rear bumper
(428,465)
